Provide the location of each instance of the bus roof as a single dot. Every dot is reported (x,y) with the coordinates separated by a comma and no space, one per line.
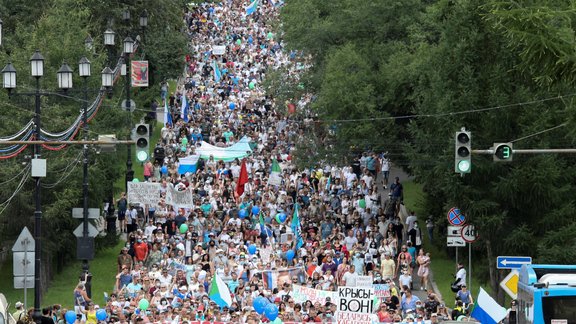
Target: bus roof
(531,273)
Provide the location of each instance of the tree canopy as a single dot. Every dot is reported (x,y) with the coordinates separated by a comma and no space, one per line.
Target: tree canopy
(403,76)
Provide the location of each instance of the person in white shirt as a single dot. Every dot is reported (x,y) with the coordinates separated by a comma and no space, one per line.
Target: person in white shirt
(350,240)
(405,279)
(410,221)
(460,276)
(350,277)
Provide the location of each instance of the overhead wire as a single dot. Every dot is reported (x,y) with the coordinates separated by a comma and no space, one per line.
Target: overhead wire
(6,203)
(72,166)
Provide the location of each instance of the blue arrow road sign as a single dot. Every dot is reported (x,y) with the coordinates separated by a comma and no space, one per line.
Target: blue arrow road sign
(512,262)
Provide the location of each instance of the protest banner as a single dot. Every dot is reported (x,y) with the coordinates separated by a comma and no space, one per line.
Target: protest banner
(144,193)
(139,73)
(354,318)
(382,291)
(218,49)
(265,254)
(364,281)
(301,294)
(179,198)
(356,299)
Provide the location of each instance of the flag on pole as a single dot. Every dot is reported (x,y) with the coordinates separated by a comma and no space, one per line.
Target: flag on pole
(167,114)
(275,177)
(242,179)
(270,279)
(188,164)
(252,7)
(487,310)
(184,108)
(217,72)
(296,227)
(262,225)
(219,292)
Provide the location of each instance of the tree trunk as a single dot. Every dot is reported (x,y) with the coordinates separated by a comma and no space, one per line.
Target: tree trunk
(495,275)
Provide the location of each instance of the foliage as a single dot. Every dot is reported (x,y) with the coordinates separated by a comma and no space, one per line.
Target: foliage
(406,75)
(58,29)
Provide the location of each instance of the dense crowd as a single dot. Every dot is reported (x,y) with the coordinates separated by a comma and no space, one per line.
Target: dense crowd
(319,228)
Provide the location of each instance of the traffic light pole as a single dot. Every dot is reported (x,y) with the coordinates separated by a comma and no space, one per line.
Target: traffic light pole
(526,151)
(129,171)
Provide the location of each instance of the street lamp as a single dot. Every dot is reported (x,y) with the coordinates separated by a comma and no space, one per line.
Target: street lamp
(144,19)
(109,37)
(64,75)
(107,77)
(126,15)
(88,42)
(9,76)
(84,72)
(37,65)
(128,49)
(128,45)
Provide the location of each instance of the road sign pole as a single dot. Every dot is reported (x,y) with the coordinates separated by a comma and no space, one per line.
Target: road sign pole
(456,255)
(25,274)
(470,266)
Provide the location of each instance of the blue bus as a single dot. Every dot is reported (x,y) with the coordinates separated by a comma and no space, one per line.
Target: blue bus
(547,294)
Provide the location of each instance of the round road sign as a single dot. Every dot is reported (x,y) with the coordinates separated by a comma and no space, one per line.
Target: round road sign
(455,217)
(468,233)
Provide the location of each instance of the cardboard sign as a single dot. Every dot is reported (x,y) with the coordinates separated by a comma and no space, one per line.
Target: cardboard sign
(144,193)
(364,281)
(353,318)
(302,294)
(218,49)
(356,300)
(179,199)
(382,290)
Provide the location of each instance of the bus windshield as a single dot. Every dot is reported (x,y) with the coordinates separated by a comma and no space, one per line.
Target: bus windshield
(559,308)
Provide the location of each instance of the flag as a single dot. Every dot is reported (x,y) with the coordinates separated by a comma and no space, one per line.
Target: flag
(242,179)
(184,108)
(262,225)
(188,164)
(252,7)
(275,177)
(328,183)
(167,114)
(487,310)
(217,72)
(219,292)
(296,227)
(270,278)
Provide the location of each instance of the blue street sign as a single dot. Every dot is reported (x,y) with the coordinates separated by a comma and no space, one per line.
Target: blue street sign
(512,262)
(455,217)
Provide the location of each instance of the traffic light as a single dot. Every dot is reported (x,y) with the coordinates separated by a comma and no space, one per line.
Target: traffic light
(142,142)
(463,152)
(502,152)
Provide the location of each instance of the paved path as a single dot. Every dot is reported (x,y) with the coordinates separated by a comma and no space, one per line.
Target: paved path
(396,171)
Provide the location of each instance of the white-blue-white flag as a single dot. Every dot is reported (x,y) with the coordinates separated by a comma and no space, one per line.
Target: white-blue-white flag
(252,7)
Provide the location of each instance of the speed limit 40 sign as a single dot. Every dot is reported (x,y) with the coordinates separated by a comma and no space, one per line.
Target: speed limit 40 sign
(469,234)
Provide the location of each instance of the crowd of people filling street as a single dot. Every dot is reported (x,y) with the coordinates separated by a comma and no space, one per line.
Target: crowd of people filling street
(261,240)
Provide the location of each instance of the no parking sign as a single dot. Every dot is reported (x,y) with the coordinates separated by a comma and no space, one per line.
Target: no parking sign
(455,217)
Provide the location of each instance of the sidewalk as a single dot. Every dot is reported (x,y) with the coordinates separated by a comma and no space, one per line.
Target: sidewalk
(396,171)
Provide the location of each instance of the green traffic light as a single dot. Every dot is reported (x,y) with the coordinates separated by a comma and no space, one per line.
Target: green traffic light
(141,156)
(464,166)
